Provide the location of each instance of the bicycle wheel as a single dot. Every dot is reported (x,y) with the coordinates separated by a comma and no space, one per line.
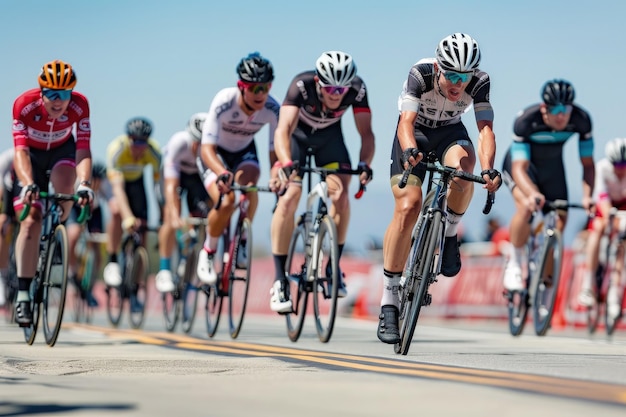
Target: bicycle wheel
(35,290)
(518,303)
(139,287)
(239,280)
(55,284)
(416,292)
(546,282)
(611,322)
(172,300)
(191,287)
(296,269)
(594,311)
(326,285)
(115,304)
(215,293)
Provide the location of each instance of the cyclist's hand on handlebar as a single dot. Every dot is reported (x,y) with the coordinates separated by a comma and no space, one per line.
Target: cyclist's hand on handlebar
(86,195)
(130,223)
(224,181)
(286,172)
(411,157)
(493,178)
(536,201)
(29,193)
(588,204)
(366,173)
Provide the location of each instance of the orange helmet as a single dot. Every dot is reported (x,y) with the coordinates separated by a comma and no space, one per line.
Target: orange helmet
(57,75)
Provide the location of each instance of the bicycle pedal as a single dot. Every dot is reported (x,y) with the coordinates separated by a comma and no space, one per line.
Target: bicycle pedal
(427,300)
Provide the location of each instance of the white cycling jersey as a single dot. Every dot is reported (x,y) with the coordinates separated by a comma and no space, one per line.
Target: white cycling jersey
(609,186)
(228,127)
(178,156)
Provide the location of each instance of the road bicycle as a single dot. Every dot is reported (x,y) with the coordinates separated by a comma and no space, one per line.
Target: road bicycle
(10,282)
(49,286)
(181,303)
(233,280)
(543,271)
(88,271)
(423,264)
(615,234)
(312,266)
(134,287)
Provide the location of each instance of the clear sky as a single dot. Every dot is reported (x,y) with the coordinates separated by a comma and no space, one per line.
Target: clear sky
(166,60)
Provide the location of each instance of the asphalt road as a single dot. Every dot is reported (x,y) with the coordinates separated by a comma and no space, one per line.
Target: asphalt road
(465,368)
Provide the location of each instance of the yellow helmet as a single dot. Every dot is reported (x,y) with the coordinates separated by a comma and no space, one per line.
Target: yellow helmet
(57,75)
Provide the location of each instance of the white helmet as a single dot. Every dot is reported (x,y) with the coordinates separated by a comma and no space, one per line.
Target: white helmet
(458,52)
(615,151)
(335,68)
(194,126)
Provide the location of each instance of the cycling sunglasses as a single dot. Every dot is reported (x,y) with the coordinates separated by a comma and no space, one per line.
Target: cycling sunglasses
(454,77)
(51,94)
(559,108)
(335,89)
(255,88)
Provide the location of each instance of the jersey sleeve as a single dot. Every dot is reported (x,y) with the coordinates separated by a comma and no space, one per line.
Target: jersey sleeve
(80,106)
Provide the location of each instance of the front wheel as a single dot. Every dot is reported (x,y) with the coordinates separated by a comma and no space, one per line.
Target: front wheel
(546,282)
(55,285)
(240,278)
(35,305)
(139,287)
(296,269)
(326,281)
(190,289)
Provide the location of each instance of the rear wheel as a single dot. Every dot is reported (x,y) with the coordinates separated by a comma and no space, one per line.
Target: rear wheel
(326,279)
(35,304)
(55,285)
(547,282)
(240,279)
(139,287)
(298,287)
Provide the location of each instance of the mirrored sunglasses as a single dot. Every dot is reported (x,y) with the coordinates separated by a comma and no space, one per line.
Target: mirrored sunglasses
(139,141)
(256,88)
(335,89)
(559,108)
(455,77)
(51,94)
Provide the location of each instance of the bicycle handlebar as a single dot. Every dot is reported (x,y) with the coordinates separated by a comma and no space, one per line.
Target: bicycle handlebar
(449,173)
(243,189)
(84,212)
(327,171)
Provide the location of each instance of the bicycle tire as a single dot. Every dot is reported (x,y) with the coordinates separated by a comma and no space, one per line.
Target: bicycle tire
(612,322)
(595,311)
(30,332)
(212,308)
(425,274)
(190,291)
(115,304)
(544,296)
(518,306)
(325,288)
(239,280)
(139,287)
(298,287)
(55,284)
(170,299)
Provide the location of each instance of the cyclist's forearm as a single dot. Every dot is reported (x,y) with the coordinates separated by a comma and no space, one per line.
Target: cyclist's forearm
(23,167)
(122,200)
(83,165)
(486,147)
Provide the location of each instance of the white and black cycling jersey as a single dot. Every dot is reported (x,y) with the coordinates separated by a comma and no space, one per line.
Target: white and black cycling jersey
(421,94)
(230,128)
(178,156)
(608,186)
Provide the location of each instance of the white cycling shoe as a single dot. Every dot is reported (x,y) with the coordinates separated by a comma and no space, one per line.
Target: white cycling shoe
(164,281)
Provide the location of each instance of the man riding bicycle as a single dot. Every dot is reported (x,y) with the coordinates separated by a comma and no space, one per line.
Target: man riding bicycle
(127,157)
(609,193)
(434,97)
(46,151)
(180,174)
(310,117)
(228,151)
(533,166)
(7,218)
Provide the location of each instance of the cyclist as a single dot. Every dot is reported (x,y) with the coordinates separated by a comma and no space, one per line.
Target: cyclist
(46,151)
(127,157)
(310,117)
(533,166)
(433,99)
(7,218)
(609,192)
(228,151)
(179,174)
(102,189)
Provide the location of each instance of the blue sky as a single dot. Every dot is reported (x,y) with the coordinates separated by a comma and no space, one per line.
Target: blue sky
(166,60)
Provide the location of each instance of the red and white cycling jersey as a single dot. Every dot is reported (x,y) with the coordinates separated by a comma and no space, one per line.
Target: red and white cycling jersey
(33,128)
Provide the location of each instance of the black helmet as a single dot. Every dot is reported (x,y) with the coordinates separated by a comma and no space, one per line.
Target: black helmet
(98,170)
(139,128)
(557,92)
(255,69)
